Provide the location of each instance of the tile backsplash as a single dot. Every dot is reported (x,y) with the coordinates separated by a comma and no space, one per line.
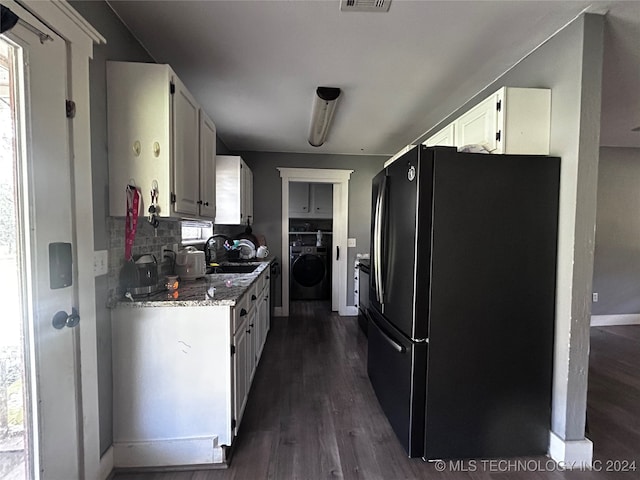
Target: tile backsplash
(147,241)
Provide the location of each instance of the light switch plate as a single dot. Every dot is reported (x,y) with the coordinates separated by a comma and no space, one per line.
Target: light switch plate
(351,242)
(100,262)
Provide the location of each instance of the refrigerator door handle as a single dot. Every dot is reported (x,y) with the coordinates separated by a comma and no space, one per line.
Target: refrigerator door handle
(379,265)
(376,257)
(391,341)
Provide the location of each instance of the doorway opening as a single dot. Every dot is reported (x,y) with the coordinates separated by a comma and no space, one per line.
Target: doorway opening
(310,245)
(16,362)
(337,182)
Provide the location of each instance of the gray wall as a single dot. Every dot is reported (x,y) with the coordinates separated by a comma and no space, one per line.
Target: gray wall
(616,270)
(570,64)
(120,46)
(267,196)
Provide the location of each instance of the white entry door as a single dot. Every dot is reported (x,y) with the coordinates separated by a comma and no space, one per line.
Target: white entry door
(44,233)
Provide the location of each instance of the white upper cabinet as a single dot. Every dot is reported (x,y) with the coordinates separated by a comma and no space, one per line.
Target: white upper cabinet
(298,199)
(512,120)
(445,137)
(186,156)
(154,129)
(322,199)
(479,126)
(207,202)
(310,200)
(234,191)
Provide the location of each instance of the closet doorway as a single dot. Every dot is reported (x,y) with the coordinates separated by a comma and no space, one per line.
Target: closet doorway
(338,254)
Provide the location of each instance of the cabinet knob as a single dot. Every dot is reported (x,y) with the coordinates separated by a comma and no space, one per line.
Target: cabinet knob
(253,297)
(243,312)
(199,202)
(206,204)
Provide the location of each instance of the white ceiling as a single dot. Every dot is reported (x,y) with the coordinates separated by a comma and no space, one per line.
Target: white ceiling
(254,65)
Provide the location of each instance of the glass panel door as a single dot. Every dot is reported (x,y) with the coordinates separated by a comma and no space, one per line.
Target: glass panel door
(16,419)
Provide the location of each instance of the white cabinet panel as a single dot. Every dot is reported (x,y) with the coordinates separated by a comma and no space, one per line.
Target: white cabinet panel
(234,190)
(445,137)
(186,155)
(207,200)
(479,125)
(298,198)
(322,199)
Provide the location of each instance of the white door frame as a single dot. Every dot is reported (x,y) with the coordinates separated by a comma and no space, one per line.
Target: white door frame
(80,37)
(340,181)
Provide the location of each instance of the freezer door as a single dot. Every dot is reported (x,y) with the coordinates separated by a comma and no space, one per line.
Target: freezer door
(396,368)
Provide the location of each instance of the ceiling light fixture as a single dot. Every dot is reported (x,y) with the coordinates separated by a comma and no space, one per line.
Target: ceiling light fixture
(324,104)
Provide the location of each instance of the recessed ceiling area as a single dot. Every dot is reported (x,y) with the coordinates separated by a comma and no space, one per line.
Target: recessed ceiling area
(254,65)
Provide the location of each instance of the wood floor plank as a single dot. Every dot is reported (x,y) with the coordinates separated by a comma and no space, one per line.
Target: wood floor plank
(312,413)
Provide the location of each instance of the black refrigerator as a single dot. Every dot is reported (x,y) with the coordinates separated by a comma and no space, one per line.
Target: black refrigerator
(462,301)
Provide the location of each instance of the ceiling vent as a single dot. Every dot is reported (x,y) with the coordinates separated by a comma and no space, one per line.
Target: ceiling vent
(365,5)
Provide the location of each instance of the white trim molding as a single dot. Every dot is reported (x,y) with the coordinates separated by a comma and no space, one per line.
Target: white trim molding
(611,320)
(351,311)
(106,464)
(339,271)
(169,453)
(80,36)
(571,454)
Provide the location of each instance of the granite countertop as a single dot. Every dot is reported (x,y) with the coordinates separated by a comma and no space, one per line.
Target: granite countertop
(212,290)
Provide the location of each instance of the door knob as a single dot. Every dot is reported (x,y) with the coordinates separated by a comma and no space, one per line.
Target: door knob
(61,319)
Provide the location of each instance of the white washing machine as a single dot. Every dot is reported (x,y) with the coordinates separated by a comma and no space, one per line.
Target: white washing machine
(310,277)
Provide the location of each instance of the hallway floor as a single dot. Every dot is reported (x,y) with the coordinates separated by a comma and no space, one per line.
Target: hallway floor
(312,413)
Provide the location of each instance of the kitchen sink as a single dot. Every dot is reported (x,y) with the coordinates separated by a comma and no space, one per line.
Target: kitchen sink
(232,269)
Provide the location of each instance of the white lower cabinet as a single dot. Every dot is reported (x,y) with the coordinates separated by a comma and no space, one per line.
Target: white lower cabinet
(181,378)
(253,322)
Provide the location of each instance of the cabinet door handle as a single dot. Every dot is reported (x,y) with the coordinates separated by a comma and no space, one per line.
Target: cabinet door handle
(337,253)
(243,312)
(253,298)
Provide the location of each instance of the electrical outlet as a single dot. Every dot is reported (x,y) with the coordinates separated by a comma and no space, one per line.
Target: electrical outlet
(100,262)
(595,296)
(351,242)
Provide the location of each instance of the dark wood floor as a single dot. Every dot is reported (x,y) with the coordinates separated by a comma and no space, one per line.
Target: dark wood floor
(312,413)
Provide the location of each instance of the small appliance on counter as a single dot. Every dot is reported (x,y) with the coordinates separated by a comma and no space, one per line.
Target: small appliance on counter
(140,277)
(190,263)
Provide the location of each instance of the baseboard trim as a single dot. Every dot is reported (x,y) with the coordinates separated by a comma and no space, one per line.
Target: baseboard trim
(168,453)
(349,311)
(278,312)
(106,464)
(571,454)
(611,320)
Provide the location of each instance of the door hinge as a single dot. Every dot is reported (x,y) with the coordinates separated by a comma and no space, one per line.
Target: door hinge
(70,107)
(233,350)
(498,135)
(233,423)
(173,197)
(499,105)
(172,88)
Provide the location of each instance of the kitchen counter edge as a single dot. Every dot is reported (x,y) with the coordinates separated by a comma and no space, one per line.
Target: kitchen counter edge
(227,289)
